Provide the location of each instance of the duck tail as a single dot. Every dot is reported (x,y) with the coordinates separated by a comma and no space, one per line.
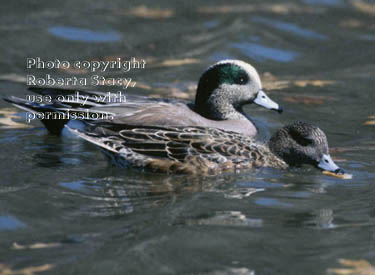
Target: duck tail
(54,126)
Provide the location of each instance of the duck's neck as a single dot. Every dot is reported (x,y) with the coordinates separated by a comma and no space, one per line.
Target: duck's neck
(273,145)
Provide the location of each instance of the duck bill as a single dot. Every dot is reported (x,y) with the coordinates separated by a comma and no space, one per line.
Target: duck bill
(326,163)
(263,100)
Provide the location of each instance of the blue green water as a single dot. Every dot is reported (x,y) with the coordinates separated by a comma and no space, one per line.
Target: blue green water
(316,58)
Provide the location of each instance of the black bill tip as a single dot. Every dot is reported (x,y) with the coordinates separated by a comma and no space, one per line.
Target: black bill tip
(339,171)
(279,110)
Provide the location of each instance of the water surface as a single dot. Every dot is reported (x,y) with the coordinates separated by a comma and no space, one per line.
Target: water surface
(65,208)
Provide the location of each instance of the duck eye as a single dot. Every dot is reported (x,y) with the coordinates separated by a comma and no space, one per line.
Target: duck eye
(301,140)
(238,76)
(326,161)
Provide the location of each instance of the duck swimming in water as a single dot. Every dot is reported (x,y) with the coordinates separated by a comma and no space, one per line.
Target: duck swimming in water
(199,150)
(223,89)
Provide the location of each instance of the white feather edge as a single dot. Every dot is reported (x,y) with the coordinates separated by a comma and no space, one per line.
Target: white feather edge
(24,108)
(90,139)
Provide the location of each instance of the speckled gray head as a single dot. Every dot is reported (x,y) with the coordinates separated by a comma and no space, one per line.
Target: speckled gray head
(303,143)
(228,85)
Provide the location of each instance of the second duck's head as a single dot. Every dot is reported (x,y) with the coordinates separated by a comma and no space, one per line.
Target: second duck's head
(228,85)
(302,143)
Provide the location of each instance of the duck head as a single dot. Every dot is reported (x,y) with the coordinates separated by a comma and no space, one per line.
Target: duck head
(228,85)
(302,143)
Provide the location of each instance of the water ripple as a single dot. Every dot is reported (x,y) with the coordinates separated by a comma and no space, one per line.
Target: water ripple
(323,2)
(85,35)
(289,27)
(260,52)
(10,223)
(272,202)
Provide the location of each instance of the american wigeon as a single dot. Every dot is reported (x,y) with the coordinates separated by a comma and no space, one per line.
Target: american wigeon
(223,89)
(199,150)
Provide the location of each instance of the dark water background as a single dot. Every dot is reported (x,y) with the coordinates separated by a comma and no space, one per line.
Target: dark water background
(65,209)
